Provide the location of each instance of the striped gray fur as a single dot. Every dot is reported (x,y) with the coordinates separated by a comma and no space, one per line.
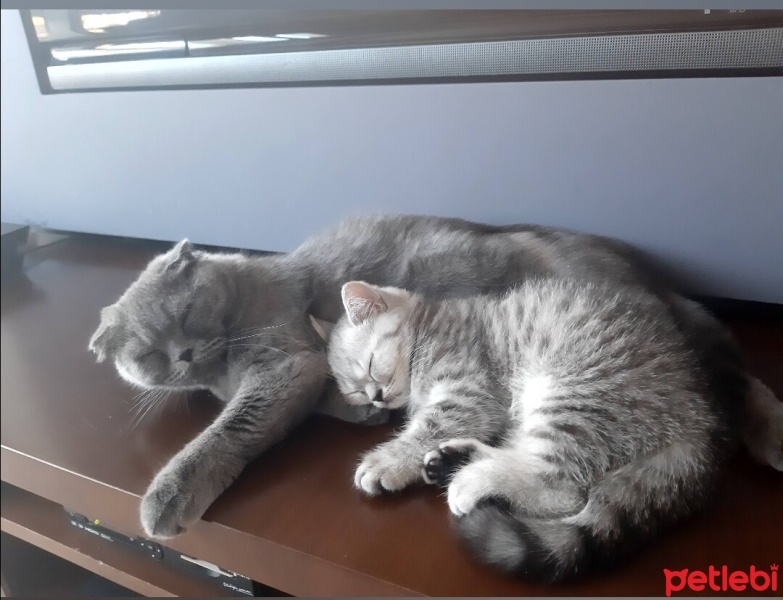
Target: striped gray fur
(252,343)
(585,418)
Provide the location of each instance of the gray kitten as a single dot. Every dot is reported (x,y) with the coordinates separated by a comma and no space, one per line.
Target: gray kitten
(238,325)
(582,414)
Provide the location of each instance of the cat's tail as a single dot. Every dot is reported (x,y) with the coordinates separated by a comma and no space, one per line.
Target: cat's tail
(624,510)
(762,432)
(549,550)
(749,409)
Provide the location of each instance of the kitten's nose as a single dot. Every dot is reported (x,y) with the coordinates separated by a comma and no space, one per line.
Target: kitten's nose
(378,397)
(187,355)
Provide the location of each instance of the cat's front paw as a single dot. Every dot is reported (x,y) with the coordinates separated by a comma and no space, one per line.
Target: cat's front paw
(470,485)
(169,505)
(383,471)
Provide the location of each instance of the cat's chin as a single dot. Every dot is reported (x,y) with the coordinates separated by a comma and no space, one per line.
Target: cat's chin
(127,374)
(351,402)
(130,378)
(393,404)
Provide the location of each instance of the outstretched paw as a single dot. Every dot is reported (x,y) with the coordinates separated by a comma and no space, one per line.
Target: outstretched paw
(168,506)
(382,470)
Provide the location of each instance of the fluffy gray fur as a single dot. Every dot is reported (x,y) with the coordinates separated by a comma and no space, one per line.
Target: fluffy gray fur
(581,410)
(225,323)
(245,321)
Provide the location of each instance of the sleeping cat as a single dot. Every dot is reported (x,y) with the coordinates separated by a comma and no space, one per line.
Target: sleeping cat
(238,325)
(583,417)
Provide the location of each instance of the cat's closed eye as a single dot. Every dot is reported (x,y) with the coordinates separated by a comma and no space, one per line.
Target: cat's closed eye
(186,312)
(378,377)
(152,355)
(369,369)
(195,317)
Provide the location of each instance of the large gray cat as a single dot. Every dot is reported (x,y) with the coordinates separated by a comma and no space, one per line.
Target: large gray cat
(580,408)
(238,326)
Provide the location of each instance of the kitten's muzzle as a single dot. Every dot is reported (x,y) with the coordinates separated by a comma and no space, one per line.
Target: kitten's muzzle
(186,355)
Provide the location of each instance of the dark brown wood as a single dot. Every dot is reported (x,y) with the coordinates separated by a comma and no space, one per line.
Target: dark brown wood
(293,520)
(40,574)
(44,524)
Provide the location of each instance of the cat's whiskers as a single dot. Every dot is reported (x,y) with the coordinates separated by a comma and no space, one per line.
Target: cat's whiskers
(152,398)
(140,394)
(264,347)
(249,344)
(278,338)
(255,330)
(261,346)
(142,398)
(157,402)
(231,328)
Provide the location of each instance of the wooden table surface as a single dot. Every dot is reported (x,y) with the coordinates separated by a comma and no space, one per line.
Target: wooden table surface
(293,520)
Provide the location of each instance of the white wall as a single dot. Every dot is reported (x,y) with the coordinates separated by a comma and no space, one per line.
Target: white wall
(689,169)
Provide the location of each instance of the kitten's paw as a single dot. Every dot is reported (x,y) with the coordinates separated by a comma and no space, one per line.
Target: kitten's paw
(469,486)
(439,465)
(434,470)
(382,471)
(465,447)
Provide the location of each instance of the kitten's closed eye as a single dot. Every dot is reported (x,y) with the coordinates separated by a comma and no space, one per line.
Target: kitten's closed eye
(379,378)
(186,312)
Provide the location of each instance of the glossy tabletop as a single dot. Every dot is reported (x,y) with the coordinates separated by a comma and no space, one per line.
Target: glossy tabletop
(293,520)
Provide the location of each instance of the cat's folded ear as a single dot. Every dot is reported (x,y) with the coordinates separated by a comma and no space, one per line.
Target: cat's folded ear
(363,301)
(180,257)
(103,341)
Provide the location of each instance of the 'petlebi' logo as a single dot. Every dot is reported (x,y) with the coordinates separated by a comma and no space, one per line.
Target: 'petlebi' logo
(722,580)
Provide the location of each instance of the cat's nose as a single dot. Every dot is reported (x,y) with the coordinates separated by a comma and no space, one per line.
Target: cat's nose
(378,397)
(187,355)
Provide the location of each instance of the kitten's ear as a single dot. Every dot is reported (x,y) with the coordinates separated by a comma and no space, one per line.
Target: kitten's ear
(102,342)
(322,328)
(362,301)
(181,256)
